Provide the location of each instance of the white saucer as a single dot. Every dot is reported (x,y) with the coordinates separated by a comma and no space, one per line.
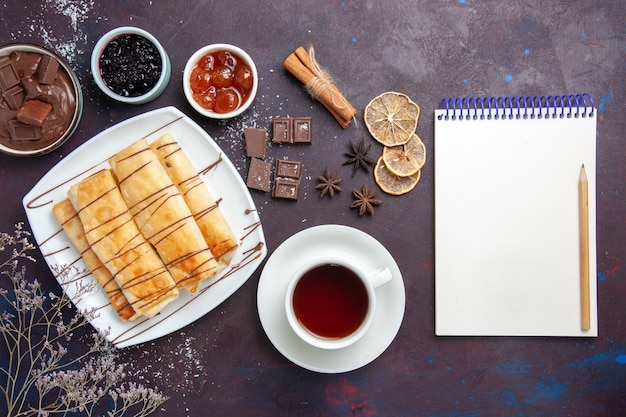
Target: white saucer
(312,243)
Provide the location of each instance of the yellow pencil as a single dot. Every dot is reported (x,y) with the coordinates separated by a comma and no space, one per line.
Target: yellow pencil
(583,203)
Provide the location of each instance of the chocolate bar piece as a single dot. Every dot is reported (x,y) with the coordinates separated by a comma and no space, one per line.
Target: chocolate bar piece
(8,75)
(292,130)
(282,130)
(47,70)
(14,97)
(259,174)
(34,112)
(21,132)
(255,142)
(286,188)
(288,169)
(302,130)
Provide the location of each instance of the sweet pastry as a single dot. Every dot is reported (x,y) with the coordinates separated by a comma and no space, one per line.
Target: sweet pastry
(214,227)
(68,218)
(116,240)
(162,215)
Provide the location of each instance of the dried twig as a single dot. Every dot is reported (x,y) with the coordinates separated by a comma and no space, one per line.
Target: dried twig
(40,378)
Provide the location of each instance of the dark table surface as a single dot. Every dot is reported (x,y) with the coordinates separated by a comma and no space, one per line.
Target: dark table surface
(224,364)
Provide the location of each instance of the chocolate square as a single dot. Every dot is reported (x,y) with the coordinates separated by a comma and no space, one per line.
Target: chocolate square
(14,97)
(47,70)
(21,132)
(259,174)
(302,130)
(255,142)
(282,130)
(286,188)
(34,112)
(288,169)
(8,75)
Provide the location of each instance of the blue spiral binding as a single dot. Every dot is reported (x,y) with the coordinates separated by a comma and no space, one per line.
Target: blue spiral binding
(517,107)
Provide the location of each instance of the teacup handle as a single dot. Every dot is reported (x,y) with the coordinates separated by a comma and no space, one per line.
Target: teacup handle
(379,277)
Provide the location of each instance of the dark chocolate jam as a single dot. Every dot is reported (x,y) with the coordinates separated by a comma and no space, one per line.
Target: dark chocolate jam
(130,65)
(59,93)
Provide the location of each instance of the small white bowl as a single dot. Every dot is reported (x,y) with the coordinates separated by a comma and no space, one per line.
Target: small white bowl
(193,60)
(166,68)
(76,112)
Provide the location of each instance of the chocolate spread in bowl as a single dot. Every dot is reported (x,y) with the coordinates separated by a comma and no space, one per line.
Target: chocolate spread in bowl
(41,80)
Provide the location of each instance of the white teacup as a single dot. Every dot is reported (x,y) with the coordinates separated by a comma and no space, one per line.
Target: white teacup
(330,302)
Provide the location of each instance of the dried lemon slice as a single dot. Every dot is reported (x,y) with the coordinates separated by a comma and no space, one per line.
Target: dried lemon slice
(391,118)
(391,183)
(407,159)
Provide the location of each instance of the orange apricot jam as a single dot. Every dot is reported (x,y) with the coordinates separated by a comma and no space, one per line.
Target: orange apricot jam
(221,81)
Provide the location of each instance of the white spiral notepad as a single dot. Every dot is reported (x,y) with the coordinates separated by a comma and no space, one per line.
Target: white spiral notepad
(507,235)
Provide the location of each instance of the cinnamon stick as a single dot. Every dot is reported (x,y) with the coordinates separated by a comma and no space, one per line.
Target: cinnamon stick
(341,105)
(296,68)
(319,85)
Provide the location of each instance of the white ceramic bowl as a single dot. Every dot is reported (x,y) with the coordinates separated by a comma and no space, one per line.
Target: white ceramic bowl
(166,68)
(193,60)
(76,112)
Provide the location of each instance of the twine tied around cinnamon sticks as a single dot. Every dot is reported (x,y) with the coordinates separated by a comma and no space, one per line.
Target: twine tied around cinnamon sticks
(319,84)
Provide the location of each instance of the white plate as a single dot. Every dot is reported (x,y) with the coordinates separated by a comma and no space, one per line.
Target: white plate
(307,245)
(223,181)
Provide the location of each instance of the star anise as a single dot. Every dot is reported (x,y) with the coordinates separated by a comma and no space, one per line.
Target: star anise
(359,157)
(329,183)
(365,200)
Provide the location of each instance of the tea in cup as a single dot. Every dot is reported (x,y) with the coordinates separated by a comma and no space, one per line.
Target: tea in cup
(330,302)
